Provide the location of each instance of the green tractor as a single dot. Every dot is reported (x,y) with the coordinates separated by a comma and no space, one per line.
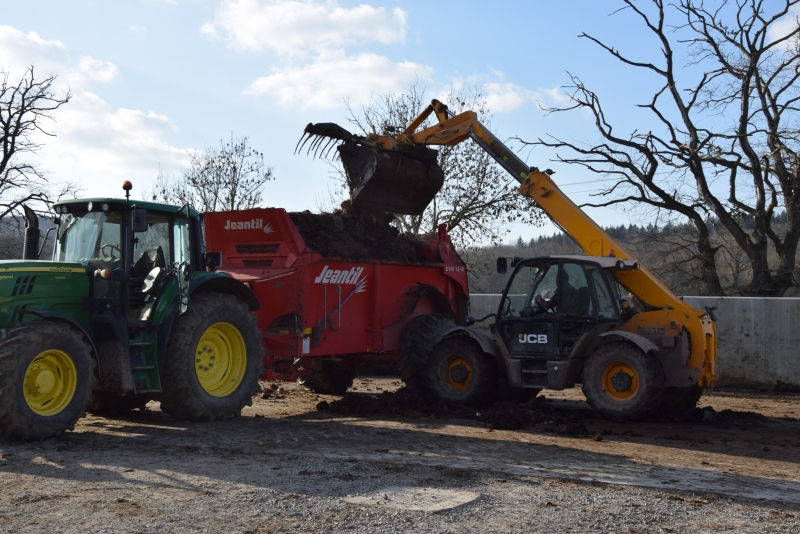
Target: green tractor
(130,309)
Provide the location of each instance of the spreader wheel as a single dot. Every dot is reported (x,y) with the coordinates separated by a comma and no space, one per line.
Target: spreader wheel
(46,375)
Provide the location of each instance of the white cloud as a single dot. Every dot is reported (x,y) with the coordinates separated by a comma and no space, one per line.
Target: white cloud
(94,142)
(327,82)
(505,97)
(785,26)
(97,69)
(296,27)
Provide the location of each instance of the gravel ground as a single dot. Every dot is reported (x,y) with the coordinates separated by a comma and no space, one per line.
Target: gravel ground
(286,467)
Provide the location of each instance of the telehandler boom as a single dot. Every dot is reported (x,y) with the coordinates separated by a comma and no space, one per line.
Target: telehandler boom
(629,363)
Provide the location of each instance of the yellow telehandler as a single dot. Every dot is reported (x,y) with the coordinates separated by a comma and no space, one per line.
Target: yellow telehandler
(562,319)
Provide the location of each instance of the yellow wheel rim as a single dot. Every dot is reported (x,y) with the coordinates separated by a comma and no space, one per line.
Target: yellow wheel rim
(459,373)
(620,381)
(50,382)
(220,359)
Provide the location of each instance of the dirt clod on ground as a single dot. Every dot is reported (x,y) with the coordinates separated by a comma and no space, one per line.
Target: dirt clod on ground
(356,236)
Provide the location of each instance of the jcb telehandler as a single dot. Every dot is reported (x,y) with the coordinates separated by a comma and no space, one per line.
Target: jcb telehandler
(562,319)
(124,313)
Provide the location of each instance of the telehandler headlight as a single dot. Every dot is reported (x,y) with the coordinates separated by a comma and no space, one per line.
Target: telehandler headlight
(89,206)
(104,206)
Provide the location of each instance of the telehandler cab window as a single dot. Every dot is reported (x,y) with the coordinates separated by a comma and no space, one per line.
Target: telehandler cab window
(520,292)
(90,238)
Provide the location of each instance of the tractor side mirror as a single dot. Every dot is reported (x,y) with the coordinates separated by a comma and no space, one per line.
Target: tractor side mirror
(139,220)
(502,265)
(212,260)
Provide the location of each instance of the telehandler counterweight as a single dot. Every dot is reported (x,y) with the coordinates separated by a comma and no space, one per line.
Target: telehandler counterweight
(630,361)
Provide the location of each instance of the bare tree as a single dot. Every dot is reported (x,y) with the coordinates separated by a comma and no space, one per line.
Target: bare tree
(478,199)
(25,106)
(231,177)
(723,143)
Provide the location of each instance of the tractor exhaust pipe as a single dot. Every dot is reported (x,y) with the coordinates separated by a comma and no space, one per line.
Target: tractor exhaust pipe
(402,180)
(30,247)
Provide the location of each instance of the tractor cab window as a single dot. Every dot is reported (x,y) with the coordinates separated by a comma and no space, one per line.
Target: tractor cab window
(153,242)
(90,238)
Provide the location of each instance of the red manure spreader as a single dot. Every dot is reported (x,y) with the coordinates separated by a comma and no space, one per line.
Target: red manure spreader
(337,290)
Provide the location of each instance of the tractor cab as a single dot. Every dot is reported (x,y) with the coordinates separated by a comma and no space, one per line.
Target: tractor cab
(548,307)
(140,259)
(131,252)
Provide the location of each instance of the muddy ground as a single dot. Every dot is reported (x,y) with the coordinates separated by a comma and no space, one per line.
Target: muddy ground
(384,461)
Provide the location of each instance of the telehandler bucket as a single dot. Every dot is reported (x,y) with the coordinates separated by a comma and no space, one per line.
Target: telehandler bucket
(402,180)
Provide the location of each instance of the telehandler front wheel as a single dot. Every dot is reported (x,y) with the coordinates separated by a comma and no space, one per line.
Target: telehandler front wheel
(622,382)
(213,359)
(46,375)
(460,372)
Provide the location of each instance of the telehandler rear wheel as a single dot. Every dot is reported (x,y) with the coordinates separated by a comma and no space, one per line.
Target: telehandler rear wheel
(416,344)
(46,375)
(213,359)
(460,372)
(622,382)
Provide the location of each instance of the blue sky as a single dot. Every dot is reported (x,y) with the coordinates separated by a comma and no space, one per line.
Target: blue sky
(153,79)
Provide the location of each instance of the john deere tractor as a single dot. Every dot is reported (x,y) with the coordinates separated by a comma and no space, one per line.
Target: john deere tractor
(130,309)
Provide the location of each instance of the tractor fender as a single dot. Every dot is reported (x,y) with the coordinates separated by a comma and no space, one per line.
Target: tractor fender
(224,283)
(487,342)
(640,341)
(45,315)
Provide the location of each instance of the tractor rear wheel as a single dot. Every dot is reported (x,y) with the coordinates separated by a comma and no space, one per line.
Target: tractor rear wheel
(109,403)
(213,359)
(332,379)
(461,372)
(622,382)
(46,376)
(416,343)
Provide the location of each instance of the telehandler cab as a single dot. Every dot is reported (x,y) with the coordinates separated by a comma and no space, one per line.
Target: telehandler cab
(124,313)
(630,361)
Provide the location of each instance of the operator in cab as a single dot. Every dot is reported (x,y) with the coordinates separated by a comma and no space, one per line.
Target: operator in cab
(563,293)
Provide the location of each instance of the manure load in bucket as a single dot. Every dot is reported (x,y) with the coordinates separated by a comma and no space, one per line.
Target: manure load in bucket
(402,180)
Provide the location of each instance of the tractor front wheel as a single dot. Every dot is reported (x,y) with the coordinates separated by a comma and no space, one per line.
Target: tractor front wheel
(622,382)
(46,375)
(460,372)
(213,359)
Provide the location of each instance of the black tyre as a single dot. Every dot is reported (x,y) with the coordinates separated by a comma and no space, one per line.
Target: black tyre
(213,359)
(679,401)
(46,377)
(416,344)
(109,403)
(460,372)
(332,379)
(621,382)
